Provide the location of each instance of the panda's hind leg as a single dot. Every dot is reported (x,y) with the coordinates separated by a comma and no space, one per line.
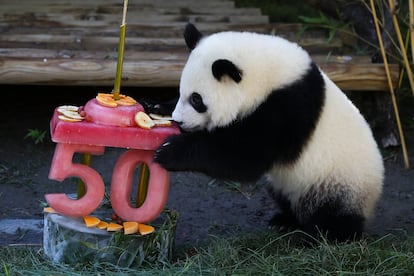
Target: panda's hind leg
(330,221)
(284,218)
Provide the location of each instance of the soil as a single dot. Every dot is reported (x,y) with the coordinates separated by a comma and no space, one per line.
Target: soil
(207,207)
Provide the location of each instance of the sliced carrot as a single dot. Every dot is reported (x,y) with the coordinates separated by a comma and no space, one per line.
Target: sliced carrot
(102,225)
(145,229)
(113,227)
(130,227)
(91,221)
(49,210)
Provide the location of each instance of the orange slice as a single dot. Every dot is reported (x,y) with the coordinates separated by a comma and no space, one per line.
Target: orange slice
(102,225)
(106,100)
(112,227)
(49,210)
(145,229)
(126,100)
(130,227)
(91,221)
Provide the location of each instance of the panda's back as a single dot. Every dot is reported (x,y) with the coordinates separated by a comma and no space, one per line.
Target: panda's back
(340,154)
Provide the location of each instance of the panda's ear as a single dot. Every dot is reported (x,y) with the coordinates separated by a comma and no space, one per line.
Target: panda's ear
(191,36)
(223,67)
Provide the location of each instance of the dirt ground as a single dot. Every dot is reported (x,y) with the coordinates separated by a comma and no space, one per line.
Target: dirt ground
(206,207)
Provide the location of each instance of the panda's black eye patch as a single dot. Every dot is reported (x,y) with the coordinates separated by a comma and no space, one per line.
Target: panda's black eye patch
(196,102)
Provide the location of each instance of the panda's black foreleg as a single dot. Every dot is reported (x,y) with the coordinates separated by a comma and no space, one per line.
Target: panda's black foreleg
(220,156)
(334,225)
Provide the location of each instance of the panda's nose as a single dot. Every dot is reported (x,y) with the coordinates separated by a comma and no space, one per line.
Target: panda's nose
(179,122)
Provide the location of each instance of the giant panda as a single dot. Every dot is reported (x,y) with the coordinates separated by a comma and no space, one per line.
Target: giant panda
(253,105)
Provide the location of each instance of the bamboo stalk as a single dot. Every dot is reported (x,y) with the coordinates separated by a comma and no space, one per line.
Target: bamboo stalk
(411,11)
(142,185)
(86,160)
(121,48)
(394,101)
(401,42)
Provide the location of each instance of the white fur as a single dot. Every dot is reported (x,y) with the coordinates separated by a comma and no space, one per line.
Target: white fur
(267,62)
(341,154)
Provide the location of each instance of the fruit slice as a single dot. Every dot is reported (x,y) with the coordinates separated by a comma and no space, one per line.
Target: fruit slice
(130,227)
(106,99)
(145,229)
(102,225)
(160,117)
(71,114)
(49,210)
(113,227)
(162,122)
(126,100)
(91,221)
(67,119)
(61,109)
(143,120)
(110,116)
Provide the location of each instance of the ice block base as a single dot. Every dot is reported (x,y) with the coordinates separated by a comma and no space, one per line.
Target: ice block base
(68,241)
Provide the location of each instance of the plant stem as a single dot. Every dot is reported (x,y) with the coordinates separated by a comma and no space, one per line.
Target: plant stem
(142,185)
(86,160)
(401,42)
(121,47)
(394,101)
(411,28)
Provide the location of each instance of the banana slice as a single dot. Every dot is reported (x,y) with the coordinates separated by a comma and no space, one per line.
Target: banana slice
(143,120)
(160,117)
(67,119)
(69,113)
(162,122)
(72,114)
(64,108)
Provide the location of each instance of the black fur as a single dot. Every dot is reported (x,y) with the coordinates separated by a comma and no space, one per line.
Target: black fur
(191,36)
(165,107)
(328,218)
(223,67)
(276,132)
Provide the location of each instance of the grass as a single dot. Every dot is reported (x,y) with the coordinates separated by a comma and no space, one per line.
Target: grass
(254,254)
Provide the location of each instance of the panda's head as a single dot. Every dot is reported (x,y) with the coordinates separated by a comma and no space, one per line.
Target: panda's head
(228,74)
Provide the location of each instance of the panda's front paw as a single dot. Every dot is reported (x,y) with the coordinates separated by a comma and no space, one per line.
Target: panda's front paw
(157,107)
(167,155)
